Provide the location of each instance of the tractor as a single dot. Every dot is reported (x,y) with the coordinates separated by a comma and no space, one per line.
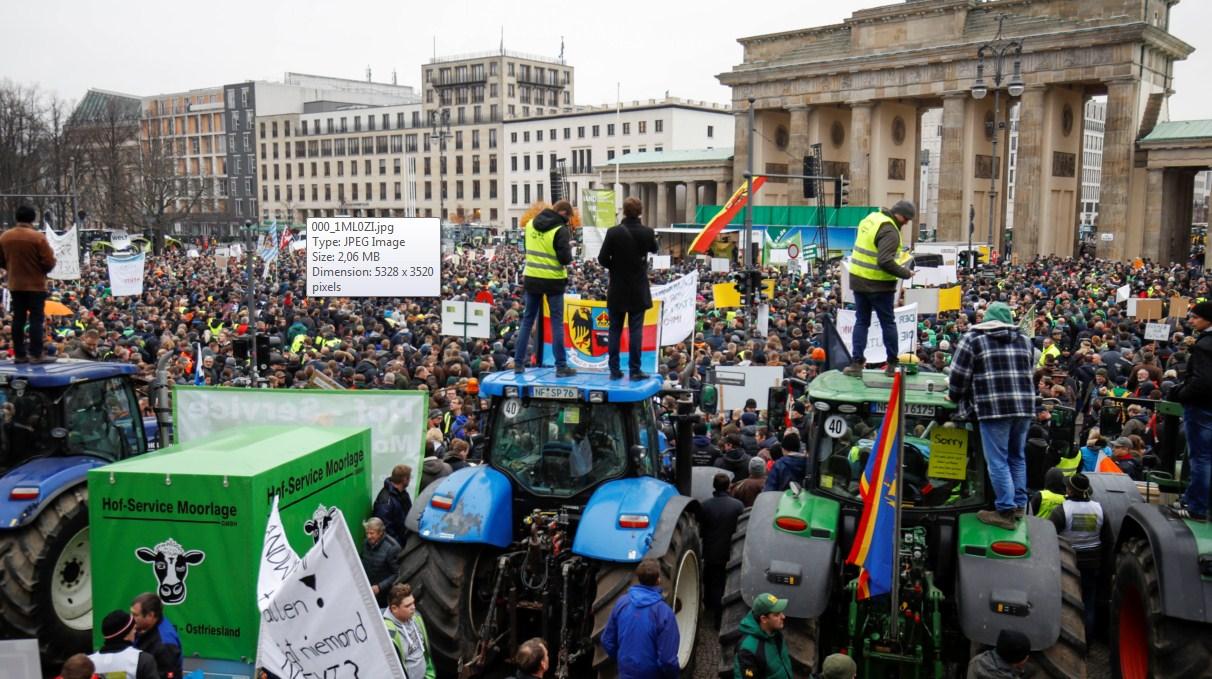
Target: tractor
(59,421)
(542,538)
(1157,567)
(960,581)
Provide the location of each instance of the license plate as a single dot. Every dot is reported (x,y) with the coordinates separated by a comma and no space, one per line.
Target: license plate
(915,409)
(563,393)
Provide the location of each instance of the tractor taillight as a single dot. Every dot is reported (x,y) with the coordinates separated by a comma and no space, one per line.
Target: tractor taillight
(1007,548)
(633,521)
(24,493)
(791,523)
(443,502)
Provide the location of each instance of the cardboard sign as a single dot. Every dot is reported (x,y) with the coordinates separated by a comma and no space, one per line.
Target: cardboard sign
(125,275)
(1178,307)
(1147,309)
(950,299)
(948,453)
(740,383)
(1158,332)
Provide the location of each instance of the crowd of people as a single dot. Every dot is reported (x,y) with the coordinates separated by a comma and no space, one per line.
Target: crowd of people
(1085,351)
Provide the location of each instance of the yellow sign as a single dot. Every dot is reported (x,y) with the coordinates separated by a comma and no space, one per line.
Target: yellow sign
(725,295)
(949,299)
(948,453)
(768,287)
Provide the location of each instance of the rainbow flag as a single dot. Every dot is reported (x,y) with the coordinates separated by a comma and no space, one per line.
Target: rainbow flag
(717,223)
(874,549)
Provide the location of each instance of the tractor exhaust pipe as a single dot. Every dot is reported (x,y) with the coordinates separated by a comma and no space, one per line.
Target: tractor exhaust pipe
(160,400)
(684,462)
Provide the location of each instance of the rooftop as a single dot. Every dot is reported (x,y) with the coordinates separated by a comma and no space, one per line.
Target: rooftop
(1180,130)
(502,52)
(683,156)
(99,105)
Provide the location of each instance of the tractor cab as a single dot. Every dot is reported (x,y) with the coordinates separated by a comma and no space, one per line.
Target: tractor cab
(942,464)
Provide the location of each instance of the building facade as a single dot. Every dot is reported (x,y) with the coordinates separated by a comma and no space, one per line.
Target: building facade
(574,145)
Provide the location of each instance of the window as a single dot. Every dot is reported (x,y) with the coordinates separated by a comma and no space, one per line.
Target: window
(353,146)
(538,135)
(538,161)
(459,140)
(526,136)
(353,191)
(340,168)
(581,132)
(513,194)
(626,128)
(642,149)
(370,123)
(458,164)
(396,191)
(397,143)
(410,143)
(399,123)
(357,123)
(382,190)
(353,168)
(428,190)
(338,147)
(513,163)
(513,137)
(492,163)
(597,129)
(568,133)
(459,190)
(262,131)
(395,169)
(492,193)
(526,162)
(327,192)
(526,194)
(492,139)
(659,126)
(475,188)
(381,144)
(368,145)
(610,130)
(475,139)
(609,154)
(538,191)
(382,166)
(643,126)
(475,165)
(657,149)
(554,136)
(327,169)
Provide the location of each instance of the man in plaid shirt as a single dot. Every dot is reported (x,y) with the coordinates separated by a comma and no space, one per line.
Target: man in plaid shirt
(991,377)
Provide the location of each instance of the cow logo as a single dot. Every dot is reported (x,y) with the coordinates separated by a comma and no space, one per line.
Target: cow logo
(170,562)
(319,522)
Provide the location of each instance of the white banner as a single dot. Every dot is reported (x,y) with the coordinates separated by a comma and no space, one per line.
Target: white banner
(466,319)
(906,332)
(321,619)
(120,239)
(1122,293)
(67,254)
(677,308)
(721,265)
(935,276)
(660,262)
(739,383)
(1157,332)
(126,275)
(396,418)
(192,253)
(592,237)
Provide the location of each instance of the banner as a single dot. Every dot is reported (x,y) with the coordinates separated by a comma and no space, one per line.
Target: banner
(906,332)
(322,620)
(677,308)
(192,253)
(587,333)
(592,237)
(120,239)
(396,418)
(126,275)
(67,254)
(597,207)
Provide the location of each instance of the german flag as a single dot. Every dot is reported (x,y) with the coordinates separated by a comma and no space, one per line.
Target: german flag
(721,219)
(874,548)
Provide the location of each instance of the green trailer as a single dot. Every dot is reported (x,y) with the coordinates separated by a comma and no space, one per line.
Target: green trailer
(188,524)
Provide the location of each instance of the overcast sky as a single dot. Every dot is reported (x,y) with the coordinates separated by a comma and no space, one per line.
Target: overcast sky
(147,47)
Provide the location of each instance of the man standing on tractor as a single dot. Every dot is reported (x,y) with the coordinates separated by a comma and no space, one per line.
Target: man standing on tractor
(762,653)
(876,263)
(625,254)
(1195,393)
(548,253)
(991,378)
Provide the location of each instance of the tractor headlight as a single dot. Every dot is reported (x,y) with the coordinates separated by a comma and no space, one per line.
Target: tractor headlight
(511,392)
(821,406)
(597,397)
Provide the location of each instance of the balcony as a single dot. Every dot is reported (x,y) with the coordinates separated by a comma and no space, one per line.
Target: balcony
(469,79)
(532,79)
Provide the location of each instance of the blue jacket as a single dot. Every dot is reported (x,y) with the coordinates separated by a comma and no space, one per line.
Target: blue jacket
(788,468)
(642,635)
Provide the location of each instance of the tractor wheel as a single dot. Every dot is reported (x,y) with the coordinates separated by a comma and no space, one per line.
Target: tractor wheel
(440,575)
(1067,657)
(47,587)
(1144,642)
(800,634)
(682,582)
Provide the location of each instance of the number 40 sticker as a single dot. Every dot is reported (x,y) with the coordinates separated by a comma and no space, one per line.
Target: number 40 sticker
(835,426)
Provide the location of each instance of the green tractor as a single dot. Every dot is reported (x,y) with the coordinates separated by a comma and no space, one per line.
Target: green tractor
(960,581)
(1157,567)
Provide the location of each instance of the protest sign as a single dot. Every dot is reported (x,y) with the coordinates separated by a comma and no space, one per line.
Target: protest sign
(466,319)
(906,331)
(677,308)
(950,299)
(125,275)
(720,264)
(1122,293)
(120,239)
(1157,332)
(926,299)
(660,262)
(725,295)
(1149,309)
(1178,307)
(739,383)
(322,615)
(67,254)
(763,320)
(192,253)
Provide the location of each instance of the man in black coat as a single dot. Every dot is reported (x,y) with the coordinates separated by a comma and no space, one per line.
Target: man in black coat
(625,254)
(1195,393)
(393,503)
(717,521)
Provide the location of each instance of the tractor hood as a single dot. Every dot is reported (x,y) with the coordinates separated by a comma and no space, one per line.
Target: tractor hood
(25,489)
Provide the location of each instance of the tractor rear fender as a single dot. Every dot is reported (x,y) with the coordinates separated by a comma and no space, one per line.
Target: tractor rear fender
(674,508)
(51,476)
(791,563)
(473,505)
(621,521)
(1116,493)
(1184,594)
(1021,593)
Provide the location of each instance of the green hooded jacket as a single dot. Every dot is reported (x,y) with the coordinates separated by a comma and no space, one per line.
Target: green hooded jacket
(776,661)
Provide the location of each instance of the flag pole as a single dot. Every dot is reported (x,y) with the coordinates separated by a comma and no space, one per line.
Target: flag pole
(895,594)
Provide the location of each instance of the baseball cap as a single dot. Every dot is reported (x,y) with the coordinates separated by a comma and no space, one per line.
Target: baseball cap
(766,603)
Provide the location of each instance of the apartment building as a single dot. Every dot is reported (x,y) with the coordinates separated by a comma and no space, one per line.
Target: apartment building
(574,143)
(467,100)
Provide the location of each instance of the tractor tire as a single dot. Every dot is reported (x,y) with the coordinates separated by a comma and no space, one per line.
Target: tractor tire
(440,576)
(802,635)
(46,591)
(682,582)
(1144,642)
(1067,657)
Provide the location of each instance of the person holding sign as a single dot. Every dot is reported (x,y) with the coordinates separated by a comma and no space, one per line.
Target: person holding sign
(625,254)
(548,254)
(28,258)
(876,263)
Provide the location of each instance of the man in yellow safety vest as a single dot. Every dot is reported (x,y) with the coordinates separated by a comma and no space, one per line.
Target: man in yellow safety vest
(548,252)
(876,263)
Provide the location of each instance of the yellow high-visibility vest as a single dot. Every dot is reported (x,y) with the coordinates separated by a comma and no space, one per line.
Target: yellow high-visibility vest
(864,259)
(541,260)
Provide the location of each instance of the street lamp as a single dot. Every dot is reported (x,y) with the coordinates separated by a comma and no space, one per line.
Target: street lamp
(441,132)
(997,50)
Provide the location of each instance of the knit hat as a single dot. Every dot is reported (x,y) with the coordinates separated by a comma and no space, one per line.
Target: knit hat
(905,209)
(757,468)
(1080,483)
(748,419)
(1013,646)
(999,311)
(1203,310)
(117,624)
(838,666)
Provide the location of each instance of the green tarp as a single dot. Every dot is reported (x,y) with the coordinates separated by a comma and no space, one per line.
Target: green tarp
(783,215)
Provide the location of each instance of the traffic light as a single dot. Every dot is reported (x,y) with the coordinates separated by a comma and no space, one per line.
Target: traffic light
(557,187)
(811,169)
(841,192)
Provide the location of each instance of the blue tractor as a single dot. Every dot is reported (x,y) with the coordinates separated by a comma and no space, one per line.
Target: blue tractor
(59,421)
(543,537)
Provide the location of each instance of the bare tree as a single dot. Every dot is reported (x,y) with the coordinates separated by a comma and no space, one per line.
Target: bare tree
(106,141)
(164,190)
(22,132)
